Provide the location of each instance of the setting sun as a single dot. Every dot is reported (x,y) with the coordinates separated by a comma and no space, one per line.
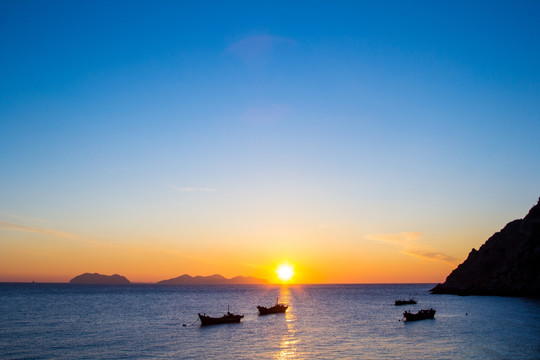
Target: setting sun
(285,272)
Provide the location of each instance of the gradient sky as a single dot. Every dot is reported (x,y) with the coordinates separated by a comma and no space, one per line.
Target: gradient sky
(361,141)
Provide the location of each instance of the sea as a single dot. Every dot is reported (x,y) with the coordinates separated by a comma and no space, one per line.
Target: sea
(66,321)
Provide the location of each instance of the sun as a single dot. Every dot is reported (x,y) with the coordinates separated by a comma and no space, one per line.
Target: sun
(285,271)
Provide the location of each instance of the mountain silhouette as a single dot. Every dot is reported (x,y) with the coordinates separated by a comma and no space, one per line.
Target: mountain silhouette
(215,279)
(96,278)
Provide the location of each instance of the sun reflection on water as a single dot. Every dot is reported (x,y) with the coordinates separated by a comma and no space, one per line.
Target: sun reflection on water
(289,340)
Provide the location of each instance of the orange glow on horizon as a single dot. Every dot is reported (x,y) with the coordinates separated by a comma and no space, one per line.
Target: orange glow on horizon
(140,261)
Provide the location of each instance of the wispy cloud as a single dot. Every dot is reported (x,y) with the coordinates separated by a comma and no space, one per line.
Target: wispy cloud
(16,227)
(191,189)
(409,244)
(256,51)
(431,255)
(21,218)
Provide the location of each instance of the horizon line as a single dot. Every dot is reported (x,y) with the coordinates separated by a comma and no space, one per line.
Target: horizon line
(281,284)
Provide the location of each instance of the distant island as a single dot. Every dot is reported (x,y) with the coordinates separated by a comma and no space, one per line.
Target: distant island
(213,280)
(99,279)
(185,279)
(508,264)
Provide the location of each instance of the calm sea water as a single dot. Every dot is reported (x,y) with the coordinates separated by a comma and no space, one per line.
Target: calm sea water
(62,321)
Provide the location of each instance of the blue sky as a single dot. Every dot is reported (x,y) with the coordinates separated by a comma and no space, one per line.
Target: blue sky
(381,117)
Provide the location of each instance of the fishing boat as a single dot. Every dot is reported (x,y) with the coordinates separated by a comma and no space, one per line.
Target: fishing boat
(411,301)
(278,308)
(421,315)
(225,319)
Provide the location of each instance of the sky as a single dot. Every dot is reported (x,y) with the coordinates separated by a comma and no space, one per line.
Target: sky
(359,141)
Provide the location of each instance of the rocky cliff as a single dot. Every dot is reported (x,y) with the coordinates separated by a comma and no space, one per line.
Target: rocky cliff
(95,278)
(507,264)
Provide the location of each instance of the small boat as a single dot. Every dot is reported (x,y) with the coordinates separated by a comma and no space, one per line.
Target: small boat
(421,315)
(278,308)
(411,301)
(225,319)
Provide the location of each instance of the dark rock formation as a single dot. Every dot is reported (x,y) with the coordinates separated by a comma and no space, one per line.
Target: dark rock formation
(508,264)
(212,280)
(99,279)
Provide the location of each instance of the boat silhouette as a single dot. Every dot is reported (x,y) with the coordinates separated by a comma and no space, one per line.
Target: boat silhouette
(421,315)
(410,301)
(278,308)
(225,319)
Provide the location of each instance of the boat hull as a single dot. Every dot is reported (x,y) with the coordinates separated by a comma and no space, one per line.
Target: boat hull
(225,319)
(276,309)
(421,315)
(404,302)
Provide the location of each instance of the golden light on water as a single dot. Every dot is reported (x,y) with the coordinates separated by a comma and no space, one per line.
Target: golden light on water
(285,271)
(289,338)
